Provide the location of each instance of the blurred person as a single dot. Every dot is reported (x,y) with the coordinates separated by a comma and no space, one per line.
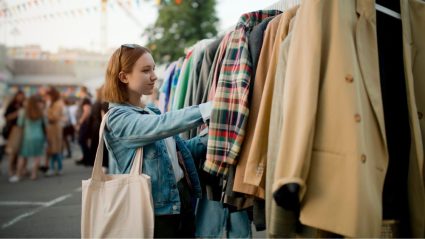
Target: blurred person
(82,125)
(33,127)
(2,145)
(68,129)
(167,159)
(11,116)
(99,109)
(55,119)
(73,109)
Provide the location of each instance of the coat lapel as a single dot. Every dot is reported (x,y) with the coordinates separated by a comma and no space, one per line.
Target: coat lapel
(367,51)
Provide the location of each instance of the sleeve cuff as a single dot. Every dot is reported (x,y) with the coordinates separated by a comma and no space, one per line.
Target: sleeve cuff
(206,109)
(279,183)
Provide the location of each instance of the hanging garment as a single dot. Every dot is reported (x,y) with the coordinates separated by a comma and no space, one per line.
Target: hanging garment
(181,88)
(255,43)
(212,220)
(333,133)
(166,86)
(206,66)
(257,90)
(217,63)
(174,83)
(396,115)
(255,147)
(280,222)
(193,80)
(230,110)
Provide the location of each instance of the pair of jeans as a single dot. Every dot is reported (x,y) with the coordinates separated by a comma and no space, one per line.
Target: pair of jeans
(83,137)
(178,225)
(56,158)
(212,219)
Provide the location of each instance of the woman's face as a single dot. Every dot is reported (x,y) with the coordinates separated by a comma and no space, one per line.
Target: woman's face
(20,97)
(142,78)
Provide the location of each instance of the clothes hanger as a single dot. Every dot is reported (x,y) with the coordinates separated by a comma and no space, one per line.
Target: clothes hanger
(387,11)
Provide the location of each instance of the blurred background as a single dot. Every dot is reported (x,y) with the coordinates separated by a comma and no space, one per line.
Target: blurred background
(53,56)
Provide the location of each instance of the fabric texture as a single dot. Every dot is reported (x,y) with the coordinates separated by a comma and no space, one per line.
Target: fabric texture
(265,61)
(119,206)
(333,142)
(230,111)
(130,127)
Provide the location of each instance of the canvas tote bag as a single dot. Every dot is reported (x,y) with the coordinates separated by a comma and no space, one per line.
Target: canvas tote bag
(118,206)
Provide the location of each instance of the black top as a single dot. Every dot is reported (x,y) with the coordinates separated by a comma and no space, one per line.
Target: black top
(396,115)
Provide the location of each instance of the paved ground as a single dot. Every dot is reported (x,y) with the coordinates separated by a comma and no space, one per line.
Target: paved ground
(49,207)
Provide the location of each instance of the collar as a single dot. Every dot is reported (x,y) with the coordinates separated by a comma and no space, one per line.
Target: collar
(136,108)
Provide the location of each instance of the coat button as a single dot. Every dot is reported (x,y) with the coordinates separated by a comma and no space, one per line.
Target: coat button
(363,158)
(349,78)
(420,115)
(357,118)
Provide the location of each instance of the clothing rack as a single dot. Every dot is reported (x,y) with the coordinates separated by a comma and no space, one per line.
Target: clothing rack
(283,5)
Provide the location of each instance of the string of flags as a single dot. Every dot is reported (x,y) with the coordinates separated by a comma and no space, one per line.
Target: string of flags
(16,13)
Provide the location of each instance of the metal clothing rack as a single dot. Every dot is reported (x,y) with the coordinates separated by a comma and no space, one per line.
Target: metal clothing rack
(283,5)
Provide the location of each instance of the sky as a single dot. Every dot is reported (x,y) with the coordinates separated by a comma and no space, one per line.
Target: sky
(53,24)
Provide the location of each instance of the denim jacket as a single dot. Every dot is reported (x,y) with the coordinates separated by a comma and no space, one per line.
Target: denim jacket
(129,127)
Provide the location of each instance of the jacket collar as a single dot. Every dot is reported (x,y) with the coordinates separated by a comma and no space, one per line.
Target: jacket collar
(136,108)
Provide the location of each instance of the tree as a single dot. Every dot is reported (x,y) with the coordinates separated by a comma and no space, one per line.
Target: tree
(180,24)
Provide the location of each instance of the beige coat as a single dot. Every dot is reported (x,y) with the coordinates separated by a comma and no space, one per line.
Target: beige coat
(266,55)
(55,127)
(333,132)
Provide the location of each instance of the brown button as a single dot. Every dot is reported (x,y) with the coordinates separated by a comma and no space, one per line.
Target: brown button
(349,78)
(420,115)
(357,117)
(363,158)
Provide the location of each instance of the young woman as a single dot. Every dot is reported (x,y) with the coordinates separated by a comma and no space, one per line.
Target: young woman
(31,120)
(11,116)
(55,117)
(168,159)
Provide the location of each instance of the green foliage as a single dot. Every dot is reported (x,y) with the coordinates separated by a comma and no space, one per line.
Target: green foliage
(179,26)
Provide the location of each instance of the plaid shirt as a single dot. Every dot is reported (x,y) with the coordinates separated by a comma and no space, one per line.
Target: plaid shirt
(230,104)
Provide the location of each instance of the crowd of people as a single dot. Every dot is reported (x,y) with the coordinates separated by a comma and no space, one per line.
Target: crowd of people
(40,129)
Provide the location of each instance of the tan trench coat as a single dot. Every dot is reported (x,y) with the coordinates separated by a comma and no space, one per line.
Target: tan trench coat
(333,132)
(55,118)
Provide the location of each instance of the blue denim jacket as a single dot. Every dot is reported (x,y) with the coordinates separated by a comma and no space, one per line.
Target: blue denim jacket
(129,127)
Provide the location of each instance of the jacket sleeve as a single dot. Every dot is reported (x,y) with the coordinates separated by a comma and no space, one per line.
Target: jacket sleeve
(300,98)
(135,129)
(197,146)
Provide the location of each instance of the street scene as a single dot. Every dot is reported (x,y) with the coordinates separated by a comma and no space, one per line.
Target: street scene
(212,119)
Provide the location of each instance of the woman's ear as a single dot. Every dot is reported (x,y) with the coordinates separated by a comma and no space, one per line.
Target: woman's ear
(123,78)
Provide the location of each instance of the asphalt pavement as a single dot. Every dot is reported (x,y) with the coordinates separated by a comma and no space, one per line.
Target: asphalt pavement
(49,207)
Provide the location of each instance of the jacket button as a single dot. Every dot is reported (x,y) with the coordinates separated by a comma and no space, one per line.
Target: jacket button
(357,118)
(420,115)
(363,158)
(173,186)
(349,78)
(175,207)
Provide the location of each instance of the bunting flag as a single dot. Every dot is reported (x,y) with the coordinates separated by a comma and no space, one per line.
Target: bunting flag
(16,13)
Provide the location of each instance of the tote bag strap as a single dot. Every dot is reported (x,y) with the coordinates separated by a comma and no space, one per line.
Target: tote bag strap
(97,173)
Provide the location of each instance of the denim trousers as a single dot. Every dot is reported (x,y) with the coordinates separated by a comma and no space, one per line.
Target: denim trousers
(212,220)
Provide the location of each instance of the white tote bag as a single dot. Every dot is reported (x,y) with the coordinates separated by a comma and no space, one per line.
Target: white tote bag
(118,206)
